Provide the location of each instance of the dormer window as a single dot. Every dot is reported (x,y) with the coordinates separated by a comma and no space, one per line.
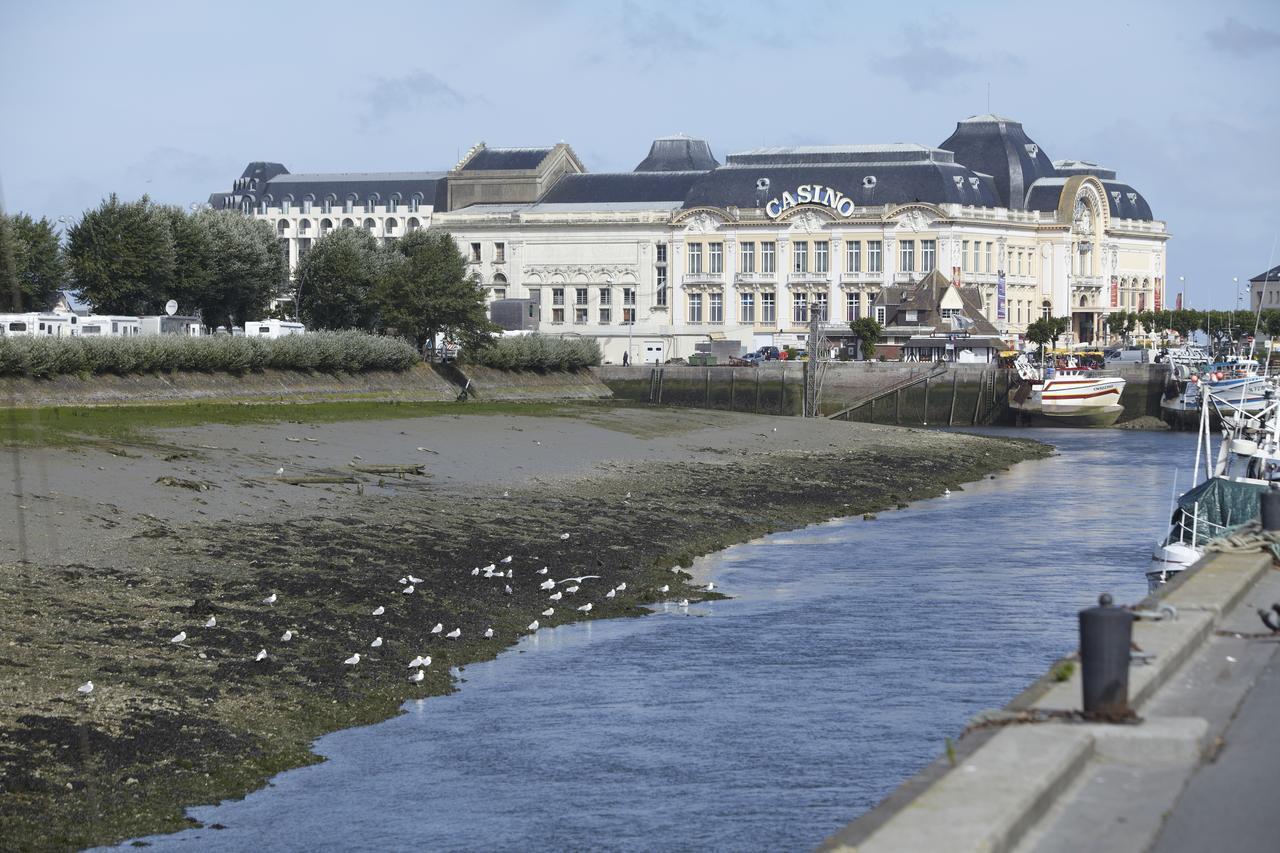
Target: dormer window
(869,181)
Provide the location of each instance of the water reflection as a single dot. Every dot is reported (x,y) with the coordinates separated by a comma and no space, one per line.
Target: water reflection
(850,650)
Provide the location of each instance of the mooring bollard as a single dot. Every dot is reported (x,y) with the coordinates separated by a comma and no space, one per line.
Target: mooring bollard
(1106,634)
(1269,508)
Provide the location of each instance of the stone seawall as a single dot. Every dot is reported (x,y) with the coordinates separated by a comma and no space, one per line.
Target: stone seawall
(422,383)
(962,394)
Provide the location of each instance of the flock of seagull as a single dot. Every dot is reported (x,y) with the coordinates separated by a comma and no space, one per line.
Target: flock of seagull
(409,584)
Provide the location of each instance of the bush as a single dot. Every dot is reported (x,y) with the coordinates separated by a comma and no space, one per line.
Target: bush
(324,352)
(538,352)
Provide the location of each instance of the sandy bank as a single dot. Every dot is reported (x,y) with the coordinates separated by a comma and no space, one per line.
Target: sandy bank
(107,565)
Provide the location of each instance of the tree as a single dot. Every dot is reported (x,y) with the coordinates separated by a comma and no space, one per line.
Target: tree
(32,269)
(121,257)
(336,279)
(868,333)
(193,260)
(427,291)
(1057,328)
(247,268)
(1118,323)
(1040,332)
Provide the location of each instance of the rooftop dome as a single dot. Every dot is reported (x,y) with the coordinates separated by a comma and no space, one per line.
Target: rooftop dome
(678,153)
(998,146)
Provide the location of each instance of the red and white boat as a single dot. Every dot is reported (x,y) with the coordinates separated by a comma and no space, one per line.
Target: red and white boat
(1067,396)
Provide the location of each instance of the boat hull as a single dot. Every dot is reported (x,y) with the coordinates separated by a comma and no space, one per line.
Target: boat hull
(1078,401)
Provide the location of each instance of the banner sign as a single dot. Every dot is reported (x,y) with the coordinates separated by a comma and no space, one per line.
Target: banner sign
(1115,292)
(1156,296)
(1142,301)
(1179,308)
(955,276)
(1001,313)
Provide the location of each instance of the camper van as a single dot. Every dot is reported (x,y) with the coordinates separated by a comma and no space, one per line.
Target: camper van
(273,328)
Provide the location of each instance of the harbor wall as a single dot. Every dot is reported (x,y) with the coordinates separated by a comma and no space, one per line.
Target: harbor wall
(915,394)
(421,383)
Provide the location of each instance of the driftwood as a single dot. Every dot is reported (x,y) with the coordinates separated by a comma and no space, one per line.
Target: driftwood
(398,470)
(315,479)
(193,485)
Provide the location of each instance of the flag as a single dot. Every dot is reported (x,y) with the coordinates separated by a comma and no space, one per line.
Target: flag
(1179,302)
(1001,311)
(1115,292)
(1157,295)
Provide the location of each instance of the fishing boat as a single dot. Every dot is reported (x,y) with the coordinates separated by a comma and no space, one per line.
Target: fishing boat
(1066,396)
(1247,462)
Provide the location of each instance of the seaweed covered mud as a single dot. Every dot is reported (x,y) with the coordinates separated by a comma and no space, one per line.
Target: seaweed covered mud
(215,581)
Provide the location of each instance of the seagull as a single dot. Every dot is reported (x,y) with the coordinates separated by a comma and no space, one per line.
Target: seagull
(180,637)
(550,611)
(556,597)
(622,587)
(212,622)
(403,580)
(454,634)
(710,587)
(510,573)
(542,571)
(547,584)
(578,579)
(564,535)
(86,688)
(380,610)
(628,496)
(684,602)
(412,579)
(946,491)
(270,599)
(533,626)
(437,629)
(586,608)
(506,494)
(665,588)
(417,676)
(488,633)
(572,589)
(377,641)
(420,661)
(506,559)
(280,471)
(489,567)
(353,660)
(262,655)
(611,593)
(408,590)
(286,636)
(507,589)
(475,572)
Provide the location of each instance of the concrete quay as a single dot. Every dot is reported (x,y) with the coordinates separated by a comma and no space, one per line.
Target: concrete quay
(1195,773)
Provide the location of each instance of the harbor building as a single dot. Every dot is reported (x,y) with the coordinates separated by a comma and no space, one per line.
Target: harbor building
(685,249)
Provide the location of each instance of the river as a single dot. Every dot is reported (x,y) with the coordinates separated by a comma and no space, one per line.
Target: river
(848,652)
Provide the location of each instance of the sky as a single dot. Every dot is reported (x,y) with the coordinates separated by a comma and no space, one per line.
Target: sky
(172,100)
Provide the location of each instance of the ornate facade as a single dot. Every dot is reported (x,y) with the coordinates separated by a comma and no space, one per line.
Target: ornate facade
(683,250)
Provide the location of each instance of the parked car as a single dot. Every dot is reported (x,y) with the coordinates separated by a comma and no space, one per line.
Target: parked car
(769,353)
(751,359)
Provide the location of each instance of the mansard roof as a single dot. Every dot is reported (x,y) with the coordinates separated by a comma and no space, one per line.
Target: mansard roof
(678,153)
(260,182)
(1123,200)
(1270,275)
(622,187)
(505,159)
(998,146)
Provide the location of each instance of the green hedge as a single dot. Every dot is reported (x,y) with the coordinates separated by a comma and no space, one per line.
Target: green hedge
(538,352)
(323,352)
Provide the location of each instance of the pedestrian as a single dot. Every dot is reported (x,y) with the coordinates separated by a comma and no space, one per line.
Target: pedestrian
(626,359)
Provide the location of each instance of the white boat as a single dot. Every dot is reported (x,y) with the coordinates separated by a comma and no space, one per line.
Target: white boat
(1069,396)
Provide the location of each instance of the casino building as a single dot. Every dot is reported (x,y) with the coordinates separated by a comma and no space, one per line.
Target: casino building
(684,249)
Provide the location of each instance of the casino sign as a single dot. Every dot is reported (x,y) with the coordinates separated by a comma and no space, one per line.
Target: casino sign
(811,194)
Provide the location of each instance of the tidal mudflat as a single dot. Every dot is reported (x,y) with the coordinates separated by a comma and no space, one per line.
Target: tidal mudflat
(119,541)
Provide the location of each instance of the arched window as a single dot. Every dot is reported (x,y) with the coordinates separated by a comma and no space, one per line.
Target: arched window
(371,206)
(348,206)
(307,202)
(393,203)
(326,225)
(413,224)
(1046,310)
(286,204)
(370,225)
(414,202)
(347,223)
(282,227)
(499,280)
(390,225)
(329,201)
(304,226)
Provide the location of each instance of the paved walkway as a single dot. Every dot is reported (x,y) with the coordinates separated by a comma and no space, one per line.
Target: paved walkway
(1231,804)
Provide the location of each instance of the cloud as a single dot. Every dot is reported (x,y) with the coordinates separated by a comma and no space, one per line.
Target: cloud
(926,62)
(1236,38)
(389,96)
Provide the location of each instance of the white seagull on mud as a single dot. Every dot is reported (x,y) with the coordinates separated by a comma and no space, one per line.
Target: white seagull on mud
(270,599)
(586,608)
(454,634)
(533,626)
(379,610)
(550,611)
(85,688)
(262,655)
(438,628)
(417,676)
(212,622)
(353,660)
(180,637)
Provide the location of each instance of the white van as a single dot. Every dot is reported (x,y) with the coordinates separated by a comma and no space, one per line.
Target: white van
(273,328)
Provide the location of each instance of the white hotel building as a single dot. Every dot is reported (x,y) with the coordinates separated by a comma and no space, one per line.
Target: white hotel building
(683,249)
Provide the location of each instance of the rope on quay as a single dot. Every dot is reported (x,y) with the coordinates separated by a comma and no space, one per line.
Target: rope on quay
(1248,538)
